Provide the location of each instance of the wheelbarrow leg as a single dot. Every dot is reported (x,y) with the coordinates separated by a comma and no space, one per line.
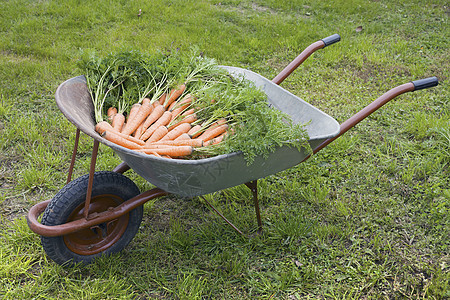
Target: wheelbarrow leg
(253,186)
(223,217)
(91,178)
(74,154)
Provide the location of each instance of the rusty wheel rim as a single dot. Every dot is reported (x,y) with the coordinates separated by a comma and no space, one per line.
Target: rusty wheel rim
(102,236)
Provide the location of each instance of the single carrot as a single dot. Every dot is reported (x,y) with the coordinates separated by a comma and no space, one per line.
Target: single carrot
(137,133)
(118,121)
(188,112)
(119,140)
(111,117)
(185,102)
(215,140)
(219,139)
(180,117)
(162,99)
(181,111)
(154,153)
(179,130)
(111,112)
(174,94)
(133,111)
(156,146)
(173,151)
(195,131)
(157,112)
(143,112)
(186,120)
(216,131)
(162,121)
(103,126)
(192,142)
(206,128)
(184,136)
(159,133)
(218,123)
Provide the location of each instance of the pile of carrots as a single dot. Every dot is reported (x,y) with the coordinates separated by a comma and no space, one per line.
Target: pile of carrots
(167,127)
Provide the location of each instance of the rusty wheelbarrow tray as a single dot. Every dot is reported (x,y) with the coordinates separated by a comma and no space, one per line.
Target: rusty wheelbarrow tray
(108,207)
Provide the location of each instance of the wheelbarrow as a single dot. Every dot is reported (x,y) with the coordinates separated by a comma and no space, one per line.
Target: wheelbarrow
(100,213)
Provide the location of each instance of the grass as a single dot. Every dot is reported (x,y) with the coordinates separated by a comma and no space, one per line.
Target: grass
(365,218)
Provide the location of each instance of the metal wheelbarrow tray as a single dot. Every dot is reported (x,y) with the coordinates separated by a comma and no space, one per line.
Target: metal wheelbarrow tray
(105,219)
(203,176)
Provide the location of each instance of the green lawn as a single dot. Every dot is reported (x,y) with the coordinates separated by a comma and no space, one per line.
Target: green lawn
(365,218)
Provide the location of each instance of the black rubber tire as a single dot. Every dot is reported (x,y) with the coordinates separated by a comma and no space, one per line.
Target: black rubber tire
(72,196)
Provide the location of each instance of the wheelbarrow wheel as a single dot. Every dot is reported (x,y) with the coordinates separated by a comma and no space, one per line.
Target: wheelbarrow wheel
(109,189)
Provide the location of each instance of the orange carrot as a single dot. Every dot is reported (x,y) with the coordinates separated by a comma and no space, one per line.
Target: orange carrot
(133,111)
(111,112)
(159,133)
(137,133)
(216,131)
(162,121)
(154,153)
(111,117)
(156,145)
(119,140)
(179,130)
(162,99)
(157,112)
(174,94)
(218,139)
(188,112)
(184,136)
(215,140)
(186,120)
(213,125)
(180,111)
(103,126)
(185,102)
(195,131)
(177,117)
(175,151)
(192,142)
(136,120)
(218,123)
(118,121)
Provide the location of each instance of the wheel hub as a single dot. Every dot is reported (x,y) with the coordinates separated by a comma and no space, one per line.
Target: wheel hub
(100,237)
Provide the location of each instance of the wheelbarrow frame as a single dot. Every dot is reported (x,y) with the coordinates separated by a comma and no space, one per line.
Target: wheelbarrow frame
(92,219)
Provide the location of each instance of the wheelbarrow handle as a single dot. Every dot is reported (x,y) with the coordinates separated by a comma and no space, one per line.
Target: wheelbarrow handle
(425,83)
(375,105)
(304,55)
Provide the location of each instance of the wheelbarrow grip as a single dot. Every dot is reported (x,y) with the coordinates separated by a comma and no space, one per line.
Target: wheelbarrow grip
(304,55)
(425,83)
(331,39)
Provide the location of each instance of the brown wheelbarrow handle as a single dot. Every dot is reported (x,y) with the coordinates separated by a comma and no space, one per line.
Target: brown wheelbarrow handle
(304,55)
(385,98)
